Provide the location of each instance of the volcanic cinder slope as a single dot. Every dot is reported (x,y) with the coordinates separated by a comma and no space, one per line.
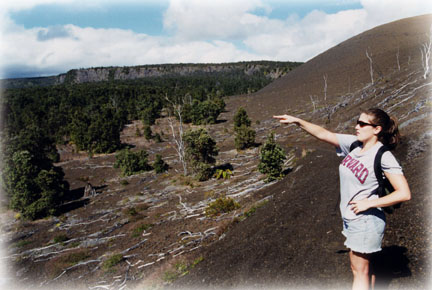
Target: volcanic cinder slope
(295,240)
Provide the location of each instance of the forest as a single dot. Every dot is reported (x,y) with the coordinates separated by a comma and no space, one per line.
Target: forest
(91,116)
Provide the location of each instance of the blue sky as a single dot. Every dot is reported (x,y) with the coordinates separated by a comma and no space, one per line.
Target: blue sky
(147,17)
(49,37)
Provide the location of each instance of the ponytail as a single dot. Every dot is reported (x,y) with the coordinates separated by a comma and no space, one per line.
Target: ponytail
(389,134)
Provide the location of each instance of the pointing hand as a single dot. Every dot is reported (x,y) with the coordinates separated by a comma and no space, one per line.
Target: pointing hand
(286,119)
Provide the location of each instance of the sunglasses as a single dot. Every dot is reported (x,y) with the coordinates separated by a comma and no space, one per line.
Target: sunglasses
(362,124)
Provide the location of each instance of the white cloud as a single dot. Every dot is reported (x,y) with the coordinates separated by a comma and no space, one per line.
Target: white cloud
(202,31)
(383,11)
(294,39)
(223,19)
(89,47)
(309,36)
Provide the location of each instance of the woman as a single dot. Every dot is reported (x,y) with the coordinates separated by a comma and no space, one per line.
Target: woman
(363,218)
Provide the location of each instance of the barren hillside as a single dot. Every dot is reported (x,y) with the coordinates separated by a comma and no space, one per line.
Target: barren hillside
(295,240)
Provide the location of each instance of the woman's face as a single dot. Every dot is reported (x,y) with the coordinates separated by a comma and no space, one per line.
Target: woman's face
(365,128)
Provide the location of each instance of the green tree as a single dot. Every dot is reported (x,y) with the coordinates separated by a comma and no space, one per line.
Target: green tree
(159,165)
(34,140)
(148,134)
(200,152)
(96,130)
(132,163)
(244,134)
(33,190)
(149,109)
(241,118)
(244,138)
(272,157)
(202,112)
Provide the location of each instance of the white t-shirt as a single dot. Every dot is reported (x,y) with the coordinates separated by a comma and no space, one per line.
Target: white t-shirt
(356,172)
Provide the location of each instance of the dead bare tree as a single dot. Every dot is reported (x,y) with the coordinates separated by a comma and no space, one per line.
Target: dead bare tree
(370,66)
(349,84)
(313,102)
(179,145)
(325,87)
(397,59)
(425,50)
(89,190)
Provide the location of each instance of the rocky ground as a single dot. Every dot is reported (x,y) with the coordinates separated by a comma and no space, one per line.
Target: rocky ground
(151,221)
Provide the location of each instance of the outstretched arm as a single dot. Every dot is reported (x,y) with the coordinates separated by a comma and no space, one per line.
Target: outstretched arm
(318,132)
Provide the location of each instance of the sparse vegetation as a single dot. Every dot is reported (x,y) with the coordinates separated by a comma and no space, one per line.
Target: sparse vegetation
(180,269)
(90,116)
(112,261)
(22,243)
(131,211)
(137,231)
(57,265)
(61,238)
(253,209)
(221,205)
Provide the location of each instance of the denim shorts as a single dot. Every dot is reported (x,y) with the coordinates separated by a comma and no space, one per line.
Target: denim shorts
(365,234)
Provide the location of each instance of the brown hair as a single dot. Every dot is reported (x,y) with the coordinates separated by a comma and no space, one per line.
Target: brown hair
(389,134)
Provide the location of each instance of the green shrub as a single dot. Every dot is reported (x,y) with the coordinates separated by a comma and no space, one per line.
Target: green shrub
(112,261)
(74,258)
(34,185)
(244,134)
(140,229)
(200,152)
(241,118)
(22,243)
(272,157)
(180,269)
(148,134)
(159,165)
(158,138)
(203,112)
(221,173)
(203,172)
(138,132)
(131,211)
(244,138)
(221,205)
(132,163)
(60,238)
(253,209)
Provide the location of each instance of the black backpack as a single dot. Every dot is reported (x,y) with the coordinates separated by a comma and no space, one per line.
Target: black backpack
(384,185)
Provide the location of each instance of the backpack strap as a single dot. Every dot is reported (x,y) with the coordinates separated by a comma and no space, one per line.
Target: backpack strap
(354,145)
(384,185)
(377,165)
